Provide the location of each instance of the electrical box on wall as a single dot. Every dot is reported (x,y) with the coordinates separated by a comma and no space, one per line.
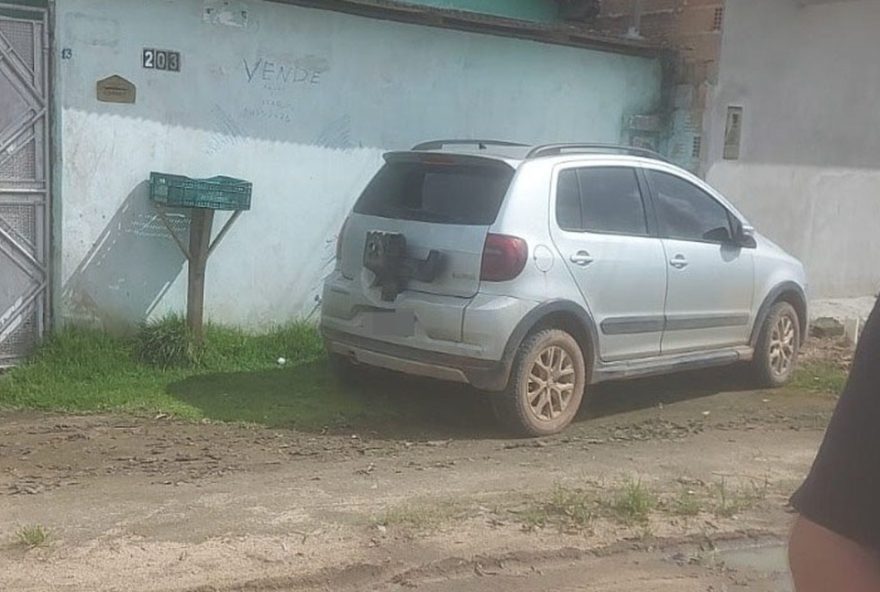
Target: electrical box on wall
(733,133)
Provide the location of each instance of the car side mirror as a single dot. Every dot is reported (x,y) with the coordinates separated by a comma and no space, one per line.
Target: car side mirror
(719,235)
(744,236)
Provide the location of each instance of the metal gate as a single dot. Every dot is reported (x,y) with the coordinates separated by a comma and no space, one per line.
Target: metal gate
(24,181)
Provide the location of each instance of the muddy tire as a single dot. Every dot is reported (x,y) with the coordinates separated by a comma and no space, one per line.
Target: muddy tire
(546,386)
(778,346)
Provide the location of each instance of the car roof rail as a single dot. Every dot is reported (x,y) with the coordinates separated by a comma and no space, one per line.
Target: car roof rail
(480,144)
(556,149)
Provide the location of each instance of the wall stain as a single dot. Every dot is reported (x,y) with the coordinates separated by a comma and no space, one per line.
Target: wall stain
(229,134)
(336,134)
(229,13)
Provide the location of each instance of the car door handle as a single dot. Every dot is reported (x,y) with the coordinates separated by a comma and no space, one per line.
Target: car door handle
(581,258)
(679,262)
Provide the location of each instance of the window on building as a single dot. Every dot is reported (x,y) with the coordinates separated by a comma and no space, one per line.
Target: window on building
(718,21)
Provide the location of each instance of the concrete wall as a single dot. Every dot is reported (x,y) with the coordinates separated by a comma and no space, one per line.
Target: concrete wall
(527,10)
(693,29)
(302,102)
(809,173)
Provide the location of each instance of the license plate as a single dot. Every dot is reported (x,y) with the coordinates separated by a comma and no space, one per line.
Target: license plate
(396,323)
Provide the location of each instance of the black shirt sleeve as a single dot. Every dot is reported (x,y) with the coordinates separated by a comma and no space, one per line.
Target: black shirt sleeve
(842,491)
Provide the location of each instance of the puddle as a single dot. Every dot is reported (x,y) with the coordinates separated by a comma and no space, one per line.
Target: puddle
(766,559)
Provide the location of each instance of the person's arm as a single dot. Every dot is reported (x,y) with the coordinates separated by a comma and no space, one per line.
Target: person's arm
(824,561)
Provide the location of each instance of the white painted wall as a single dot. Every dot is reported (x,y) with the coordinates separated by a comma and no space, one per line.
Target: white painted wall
(808,79)
(302,102)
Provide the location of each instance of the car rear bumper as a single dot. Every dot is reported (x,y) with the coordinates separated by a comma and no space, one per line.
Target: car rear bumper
(482,374)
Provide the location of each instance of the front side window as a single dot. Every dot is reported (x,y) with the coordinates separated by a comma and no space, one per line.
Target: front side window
(686,212)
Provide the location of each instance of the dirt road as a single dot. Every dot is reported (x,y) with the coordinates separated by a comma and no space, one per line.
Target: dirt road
(673,484)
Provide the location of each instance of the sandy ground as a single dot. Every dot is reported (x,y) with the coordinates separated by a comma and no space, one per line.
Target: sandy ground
(159,505)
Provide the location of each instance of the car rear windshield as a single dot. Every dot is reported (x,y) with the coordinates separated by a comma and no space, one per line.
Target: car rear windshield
(467,194)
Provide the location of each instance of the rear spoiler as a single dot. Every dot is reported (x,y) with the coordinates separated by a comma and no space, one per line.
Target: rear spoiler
(445,158)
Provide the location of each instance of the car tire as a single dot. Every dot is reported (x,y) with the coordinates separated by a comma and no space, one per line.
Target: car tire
(776,352)
(546,385)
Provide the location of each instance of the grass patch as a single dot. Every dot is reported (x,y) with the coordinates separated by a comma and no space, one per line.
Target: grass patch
(569,510)
(167,343)
(819,376)
(632,503)
(729,502)
(720,498)
(686,503)
(235,377)
(32,536)
(573,510)
(420,517)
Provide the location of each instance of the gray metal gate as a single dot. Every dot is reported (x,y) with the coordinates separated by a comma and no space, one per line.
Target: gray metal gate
(24,181)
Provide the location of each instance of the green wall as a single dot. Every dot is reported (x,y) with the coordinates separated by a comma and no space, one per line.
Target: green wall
(527,10)
(301,102)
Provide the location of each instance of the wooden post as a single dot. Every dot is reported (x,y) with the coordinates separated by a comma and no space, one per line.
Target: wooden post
(201,221)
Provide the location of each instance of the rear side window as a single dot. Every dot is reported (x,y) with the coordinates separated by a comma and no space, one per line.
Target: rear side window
(465,194)
(601,200)
(568,201)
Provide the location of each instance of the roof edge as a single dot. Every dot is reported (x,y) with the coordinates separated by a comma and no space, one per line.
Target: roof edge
(567,35)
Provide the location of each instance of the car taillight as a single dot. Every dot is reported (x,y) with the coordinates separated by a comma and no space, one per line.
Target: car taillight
(339,239)
(504,258)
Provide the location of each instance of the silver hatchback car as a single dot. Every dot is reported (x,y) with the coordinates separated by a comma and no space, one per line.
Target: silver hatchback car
(535,272)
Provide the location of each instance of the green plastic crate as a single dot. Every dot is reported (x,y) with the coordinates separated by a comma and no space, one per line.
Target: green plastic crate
(216,193)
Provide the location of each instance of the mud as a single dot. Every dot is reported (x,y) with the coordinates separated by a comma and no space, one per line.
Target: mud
(153,504)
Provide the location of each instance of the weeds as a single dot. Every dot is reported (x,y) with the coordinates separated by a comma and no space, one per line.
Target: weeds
(632,503)
(420,517)
(568,509)
(167,343)
(32,536)
(573,510)
(719,498)
(686,503)
(730,502)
